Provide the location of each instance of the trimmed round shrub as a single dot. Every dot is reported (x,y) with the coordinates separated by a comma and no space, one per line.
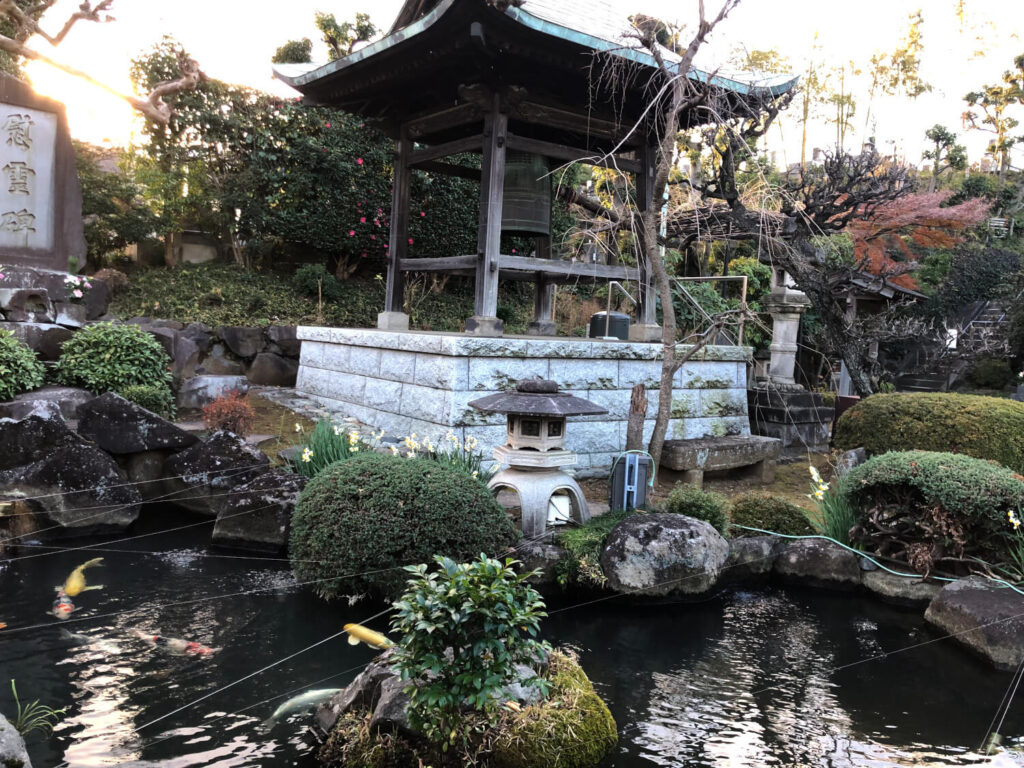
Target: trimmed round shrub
(991,373)
(982,427)
(158,399)
(109,358)
(20,369)
(933,509)
(770,513)
(689,500)
(371,514)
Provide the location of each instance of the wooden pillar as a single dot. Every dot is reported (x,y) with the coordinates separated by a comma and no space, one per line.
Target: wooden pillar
(394,318)
(543,296)
(485,320)
(646,327)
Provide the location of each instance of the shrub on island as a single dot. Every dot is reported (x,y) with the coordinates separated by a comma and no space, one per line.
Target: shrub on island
(360,521)
(769,513)
(935,510)
(982,427)
(691,501)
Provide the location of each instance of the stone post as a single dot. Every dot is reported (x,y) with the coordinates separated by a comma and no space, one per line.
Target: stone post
(785,309)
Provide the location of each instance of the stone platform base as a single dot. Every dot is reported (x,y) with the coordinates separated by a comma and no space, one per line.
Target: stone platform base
(422,383)
(695,457)
(799,419)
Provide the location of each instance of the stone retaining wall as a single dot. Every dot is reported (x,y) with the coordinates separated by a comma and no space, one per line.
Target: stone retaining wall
(422,383)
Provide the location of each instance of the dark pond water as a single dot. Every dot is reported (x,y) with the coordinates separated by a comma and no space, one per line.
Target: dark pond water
(687,684)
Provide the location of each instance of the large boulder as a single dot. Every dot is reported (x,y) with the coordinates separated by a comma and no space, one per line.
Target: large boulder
(27,305)
(818,563)
(273,370)
(751,557)
(899,589)
(198,477)
(219,362)
(44,401)
(199,391)
(45,339)
(120,426)
(12,747)
(257,516)
(73,487)
(284,340)
(663,554)
(242,341)
(983,616)
(361,694)
(542,560)
(145,471)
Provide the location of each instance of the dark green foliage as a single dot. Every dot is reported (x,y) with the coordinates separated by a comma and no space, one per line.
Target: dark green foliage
(464,627)
(770,513)
(157,398)
(983,427)
(934,509)
(294,52)
(114,209)
(20,369)
(689,500)
(315,281)
(971,273)
(991,373)
(108,358)
(375,513)
(582,545)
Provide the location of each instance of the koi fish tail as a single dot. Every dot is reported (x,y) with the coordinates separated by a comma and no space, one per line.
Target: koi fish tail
(94,586)
(90,563)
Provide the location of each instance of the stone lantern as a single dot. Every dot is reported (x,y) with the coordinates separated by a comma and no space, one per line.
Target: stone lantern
(535,453)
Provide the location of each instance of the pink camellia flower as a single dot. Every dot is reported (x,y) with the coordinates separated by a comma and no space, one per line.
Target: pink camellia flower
(377,222)
(76,293)
(362,219)
(325,150)
(513,250)
(373,237)
(88,285)
(423,213)
(410,241)
(351,233)
(328,125)
(385,247)
(364,255)
(1,275)
(359,161)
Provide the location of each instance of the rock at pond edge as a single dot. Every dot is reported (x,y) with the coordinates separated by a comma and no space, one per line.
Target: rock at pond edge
(982,616)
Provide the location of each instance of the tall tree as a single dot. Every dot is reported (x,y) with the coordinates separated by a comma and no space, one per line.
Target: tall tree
(945,155)
(842,101)
(995,101)
(899,71)
(294,52)
(342,38)
(812,94)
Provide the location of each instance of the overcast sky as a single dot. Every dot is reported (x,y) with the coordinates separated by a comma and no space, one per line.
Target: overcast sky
(234,39)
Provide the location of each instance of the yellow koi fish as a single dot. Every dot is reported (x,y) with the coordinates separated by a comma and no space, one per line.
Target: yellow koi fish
(357,634)
(75,583)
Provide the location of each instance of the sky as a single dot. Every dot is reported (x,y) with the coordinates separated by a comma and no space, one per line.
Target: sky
(233,40)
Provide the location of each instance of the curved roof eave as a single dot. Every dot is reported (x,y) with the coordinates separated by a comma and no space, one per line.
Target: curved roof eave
(781,85)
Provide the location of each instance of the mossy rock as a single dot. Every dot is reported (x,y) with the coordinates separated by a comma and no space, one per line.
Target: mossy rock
(572,729)
(982,427)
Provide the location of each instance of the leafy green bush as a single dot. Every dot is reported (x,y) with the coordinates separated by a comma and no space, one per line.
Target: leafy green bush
(770,513)
(315,281)
(991,373)
(373,514)
(983,427)
(108,358)
(572,729)
(20,370)
(464,627)
(156,398)
(689,500)
(934,509)
(582,545)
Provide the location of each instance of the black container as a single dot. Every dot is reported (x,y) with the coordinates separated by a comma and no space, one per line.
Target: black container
(618,326)
(637,473)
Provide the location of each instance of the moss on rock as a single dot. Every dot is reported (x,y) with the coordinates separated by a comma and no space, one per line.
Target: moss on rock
(572,729)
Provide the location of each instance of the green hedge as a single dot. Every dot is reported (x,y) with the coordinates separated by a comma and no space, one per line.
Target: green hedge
(372,514)
(930,508)
(20,370)
(110,358)
(770,513)
(983,427)
(689,500)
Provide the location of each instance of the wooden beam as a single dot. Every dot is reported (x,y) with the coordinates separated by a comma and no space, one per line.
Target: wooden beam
(439,264)
(468,144)
(450,169)
(398,242)
(452,117)
(570,154)
(492,199)
(566,120)
(570,269)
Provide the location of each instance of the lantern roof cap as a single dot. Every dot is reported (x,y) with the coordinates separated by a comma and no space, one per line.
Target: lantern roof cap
(537,397)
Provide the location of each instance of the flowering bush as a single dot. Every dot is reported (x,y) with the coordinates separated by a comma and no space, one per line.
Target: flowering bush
(77,286)
(231,411)
(836,515)
(451,451)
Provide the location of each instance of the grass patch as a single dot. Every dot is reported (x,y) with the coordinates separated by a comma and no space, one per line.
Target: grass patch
(583,548)
(226,294)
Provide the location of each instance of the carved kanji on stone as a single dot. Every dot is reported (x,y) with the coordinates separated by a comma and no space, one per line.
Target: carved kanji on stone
(18,128)
(18,177)
(17,221)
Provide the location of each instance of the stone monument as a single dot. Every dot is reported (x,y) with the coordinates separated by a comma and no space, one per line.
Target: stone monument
(779,406)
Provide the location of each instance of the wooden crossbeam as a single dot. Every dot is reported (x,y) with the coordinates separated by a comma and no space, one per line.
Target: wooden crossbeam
(452,117)
(570,154)
(468,144)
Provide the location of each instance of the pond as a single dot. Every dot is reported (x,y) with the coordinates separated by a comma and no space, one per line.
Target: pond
(748,678)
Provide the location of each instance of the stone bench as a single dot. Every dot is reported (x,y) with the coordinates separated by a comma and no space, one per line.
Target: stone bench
(709,454)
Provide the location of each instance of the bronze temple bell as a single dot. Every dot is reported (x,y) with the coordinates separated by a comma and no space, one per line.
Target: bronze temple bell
(527,206)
